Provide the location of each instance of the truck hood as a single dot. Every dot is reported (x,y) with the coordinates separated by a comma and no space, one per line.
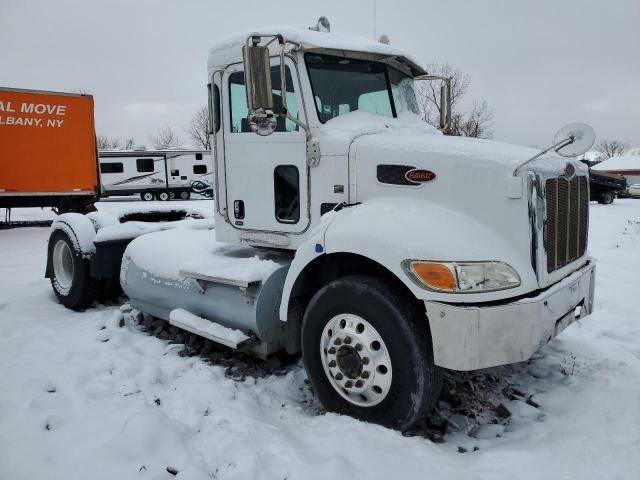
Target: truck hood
(426,145)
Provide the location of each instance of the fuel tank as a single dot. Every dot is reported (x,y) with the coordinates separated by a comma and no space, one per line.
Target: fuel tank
(237,287)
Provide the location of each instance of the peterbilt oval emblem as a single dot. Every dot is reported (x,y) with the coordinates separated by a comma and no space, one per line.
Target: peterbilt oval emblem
(419,176)
(569,170)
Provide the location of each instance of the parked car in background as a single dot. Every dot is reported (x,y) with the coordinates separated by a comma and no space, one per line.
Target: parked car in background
(634,190)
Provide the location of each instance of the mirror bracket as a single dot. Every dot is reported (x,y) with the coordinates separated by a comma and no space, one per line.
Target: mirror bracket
(445,100)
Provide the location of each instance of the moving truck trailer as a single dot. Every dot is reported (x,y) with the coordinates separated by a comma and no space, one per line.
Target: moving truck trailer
(48,151)
(160,175)
(349,230)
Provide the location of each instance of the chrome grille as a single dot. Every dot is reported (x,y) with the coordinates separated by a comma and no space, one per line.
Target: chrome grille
(565,236)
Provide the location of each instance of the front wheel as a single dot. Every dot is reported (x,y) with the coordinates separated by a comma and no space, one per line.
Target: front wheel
(184,195)
(367,350)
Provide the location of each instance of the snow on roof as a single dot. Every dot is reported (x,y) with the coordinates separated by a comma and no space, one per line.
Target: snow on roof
(228,50)
(619,163)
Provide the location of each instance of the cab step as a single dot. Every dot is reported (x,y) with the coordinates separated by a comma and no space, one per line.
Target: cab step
(232,338)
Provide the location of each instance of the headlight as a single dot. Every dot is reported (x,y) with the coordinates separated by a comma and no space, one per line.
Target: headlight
(462,277)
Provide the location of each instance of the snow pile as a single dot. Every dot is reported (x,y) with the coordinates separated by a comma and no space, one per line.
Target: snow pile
(354,124)
(620,163)
(165,254)
(229,50)
(133,229)
(85,395)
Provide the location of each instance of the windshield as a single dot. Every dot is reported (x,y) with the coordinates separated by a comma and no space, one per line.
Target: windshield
(341,85)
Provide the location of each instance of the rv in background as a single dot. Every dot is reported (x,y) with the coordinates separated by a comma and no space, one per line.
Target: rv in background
(157,174)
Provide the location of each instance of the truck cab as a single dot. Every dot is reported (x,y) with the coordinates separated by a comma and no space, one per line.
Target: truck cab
(348,229)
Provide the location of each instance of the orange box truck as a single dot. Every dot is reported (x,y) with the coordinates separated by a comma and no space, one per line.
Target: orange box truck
(48,153)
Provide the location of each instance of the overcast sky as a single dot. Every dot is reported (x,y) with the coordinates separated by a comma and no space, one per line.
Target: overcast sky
(540,63)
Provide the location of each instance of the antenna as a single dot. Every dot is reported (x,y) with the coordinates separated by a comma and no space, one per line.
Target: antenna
(375,19)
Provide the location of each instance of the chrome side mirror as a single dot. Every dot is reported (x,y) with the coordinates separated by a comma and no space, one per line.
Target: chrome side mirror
(570,141)
(574,139)
(257,77)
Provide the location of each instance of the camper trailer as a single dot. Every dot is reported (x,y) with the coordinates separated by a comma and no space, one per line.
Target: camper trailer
(158,174)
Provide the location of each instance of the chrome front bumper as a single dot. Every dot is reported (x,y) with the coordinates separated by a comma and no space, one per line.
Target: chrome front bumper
(474,337)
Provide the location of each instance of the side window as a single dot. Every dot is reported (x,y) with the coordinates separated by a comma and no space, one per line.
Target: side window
(198,156)
(240,110)
(111,168)
(199,169)
(175,173)
(286,187)
(144,164)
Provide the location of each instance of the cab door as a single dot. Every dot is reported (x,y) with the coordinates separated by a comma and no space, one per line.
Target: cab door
(265,176)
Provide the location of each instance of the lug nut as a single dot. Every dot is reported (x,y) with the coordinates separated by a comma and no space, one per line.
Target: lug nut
(365,375)
(332,363)
(348,384)
(359,383)
(337,341)
(347,340)
(365,360)
(338,376)
(358,347)
(332,350)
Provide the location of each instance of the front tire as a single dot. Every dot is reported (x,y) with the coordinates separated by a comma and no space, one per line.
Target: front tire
(367,351)
(70,273)
(184,195)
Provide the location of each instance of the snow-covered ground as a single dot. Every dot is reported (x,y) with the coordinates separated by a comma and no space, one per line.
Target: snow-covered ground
(82,397)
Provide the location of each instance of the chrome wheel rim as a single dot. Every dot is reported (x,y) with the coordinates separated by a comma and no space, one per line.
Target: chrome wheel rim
(148,196)
(63,265)
(164,196)
(356,360)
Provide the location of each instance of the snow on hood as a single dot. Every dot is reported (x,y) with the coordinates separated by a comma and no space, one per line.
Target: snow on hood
(409,133)
(351,125)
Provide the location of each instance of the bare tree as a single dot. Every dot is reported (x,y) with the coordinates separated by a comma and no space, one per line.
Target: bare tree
(476,123)
(199,128)
(429,92)
(103,142)
(165,137)
(128,143)
(611,148)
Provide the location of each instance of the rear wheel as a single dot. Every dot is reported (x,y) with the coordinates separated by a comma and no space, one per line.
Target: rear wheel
(367,351)
(162,196)
(146,196)
(606,198)
(70,273)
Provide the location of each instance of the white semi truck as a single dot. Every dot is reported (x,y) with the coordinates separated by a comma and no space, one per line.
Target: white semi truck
(350,231)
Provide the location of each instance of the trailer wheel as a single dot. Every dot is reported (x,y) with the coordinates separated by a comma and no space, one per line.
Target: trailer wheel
(184,195)
(147,196)
(172,195)
(162,196)
(70,273)
(367,351)
(606,198)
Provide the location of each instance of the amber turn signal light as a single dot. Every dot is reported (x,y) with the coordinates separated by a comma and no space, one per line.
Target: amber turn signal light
(436,276)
